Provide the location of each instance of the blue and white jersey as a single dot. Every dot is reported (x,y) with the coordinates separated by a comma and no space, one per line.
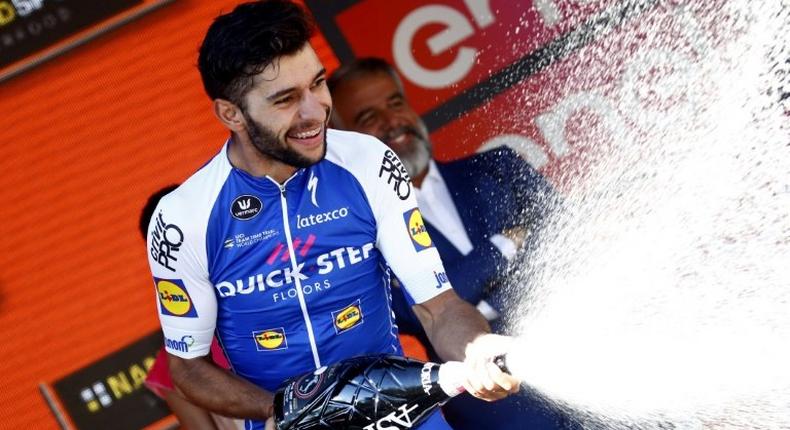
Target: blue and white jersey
(293,276)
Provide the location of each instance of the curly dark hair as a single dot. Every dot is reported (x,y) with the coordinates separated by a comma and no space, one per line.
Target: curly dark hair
(242,43)
(362,67)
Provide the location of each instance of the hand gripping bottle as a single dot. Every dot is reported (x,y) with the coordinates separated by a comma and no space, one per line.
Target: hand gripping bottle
(367,393)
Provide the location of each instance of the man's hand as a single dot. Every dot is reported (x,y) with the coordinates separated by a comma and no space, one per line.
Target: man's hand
(517,234)
(484,378)
(270,424)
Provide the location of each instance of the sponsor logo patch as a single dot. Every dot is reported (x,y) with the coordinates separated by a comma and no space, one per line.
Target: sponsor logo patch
(338,259)
(182,345)
(166,240)
(241,240)
(270,340)
(347,318)
(300,247)
(312,186)
(174,299)
(246,207)
(316,219)
(441,279)
(394,172)
(417,231)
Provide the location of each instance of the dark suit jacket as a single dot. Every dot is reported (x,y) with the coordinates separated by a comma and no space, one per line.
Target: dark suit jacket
(492,191)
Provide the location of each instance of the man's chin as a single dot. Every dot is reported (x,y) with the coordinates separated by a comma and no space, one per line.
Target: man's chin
(313,156)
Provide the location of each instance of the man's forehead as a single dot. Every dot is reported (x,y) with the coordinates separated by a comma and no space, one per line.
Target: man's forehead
(379,80)
(288,71)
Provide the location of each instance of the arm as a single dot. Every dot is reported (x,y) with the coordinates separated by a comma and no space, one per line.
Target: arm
(200,381)
(516,197)
(471,274)
(455,328)
(458,332)
(450,324)
(187,308)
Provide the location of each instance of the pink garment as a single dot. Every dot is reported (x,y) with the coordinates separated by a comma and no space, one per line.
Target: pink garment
(158,379)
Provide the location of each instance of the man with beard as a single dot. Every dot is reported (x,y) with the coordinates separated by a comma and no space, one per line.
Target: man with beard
(280,244)
(478,210)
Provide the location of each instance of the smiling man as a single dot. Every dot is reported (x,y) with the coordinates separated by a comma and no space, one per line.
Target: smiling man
(280,243)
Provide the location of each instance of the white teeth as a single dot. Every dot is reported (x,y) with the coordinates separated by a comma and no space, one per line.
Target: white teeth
(307,134)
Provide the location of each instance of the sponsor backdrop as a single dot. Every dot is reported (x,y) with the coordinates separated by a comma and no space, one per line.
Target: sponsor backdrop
(32,31)
(550,78)
(86,138)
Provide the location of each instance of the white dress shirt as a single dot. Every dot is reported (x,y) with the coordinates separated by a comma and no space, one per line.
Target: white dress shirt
(437,207)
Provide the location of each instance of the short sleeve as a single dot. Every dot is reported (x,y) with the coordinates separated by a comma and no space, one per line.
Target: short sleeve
(401,235)
(185,297)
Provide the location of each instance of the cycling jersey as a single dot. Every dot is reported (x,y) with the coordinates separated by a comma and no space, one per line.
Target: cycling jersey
(291,276)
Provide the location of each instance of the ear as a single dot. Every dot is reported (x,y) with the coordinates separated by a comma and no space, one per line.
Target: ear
(229,114)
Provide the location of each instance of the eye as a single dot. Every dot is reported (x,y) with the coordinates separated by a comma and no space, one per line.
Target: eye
(366,120)
(396,103)
(285,100)
(319,82)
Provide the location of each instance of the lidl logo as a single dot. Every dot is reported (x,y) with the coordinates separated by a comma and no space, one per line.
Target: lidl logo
(417,231)
(348,317)
(174,299)
(270,340)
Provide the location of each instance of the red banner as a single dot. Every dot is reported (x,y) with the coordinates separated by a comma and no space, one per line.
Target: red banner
(552,79)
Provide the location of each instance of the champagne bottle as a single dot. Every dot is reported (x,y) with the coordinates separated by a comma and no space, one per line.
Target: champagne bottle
(366,393)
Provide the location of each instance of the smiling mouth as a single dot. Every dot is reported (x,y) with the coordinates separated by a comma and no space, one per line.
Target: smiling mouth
(307,134)
(399,138)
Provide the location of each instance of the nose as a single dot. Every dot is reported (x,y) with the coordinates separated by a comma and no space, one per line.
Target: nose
(389,121)
(313,107)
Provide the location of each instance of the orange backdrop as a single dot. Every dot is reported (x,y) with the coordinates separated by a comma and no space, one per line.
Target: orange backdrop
(84,139)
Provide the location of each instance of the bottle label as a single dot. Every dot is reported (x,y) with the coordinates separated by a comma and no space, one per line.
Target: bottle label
(425,377)
(308,385)
(394,420)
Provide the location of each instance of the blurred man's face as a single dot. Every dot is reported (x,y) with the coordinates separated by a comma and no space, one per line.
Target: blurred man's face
(287,110)
(374,104)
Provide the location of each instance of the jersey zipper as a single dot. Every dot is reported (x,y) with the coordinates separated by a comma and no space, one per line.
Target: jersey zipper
(294,268)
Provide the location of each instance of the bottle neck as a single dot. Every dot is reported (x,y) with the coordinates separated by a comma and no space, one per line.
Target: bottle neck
(449,377)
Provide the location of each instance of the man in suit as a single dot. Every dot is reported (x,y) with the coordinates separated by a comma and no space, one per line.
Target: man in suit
(480,212)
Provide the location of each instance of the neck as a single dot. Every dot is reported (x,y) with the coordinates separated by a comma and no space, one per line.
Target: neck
(243,155)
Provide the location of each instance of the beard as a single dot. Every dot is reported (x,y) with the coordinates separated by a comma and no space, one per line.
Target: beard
(416,157)
(268,144)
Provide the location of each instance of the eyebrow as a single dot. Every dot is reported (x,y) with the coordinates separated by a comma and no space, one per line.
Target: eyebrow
(360,114)
(394,96)
(288,90)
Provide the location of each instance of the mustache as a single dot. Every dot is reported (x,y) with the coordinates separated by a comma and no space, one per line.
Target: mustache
(404,129)
(305,127)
